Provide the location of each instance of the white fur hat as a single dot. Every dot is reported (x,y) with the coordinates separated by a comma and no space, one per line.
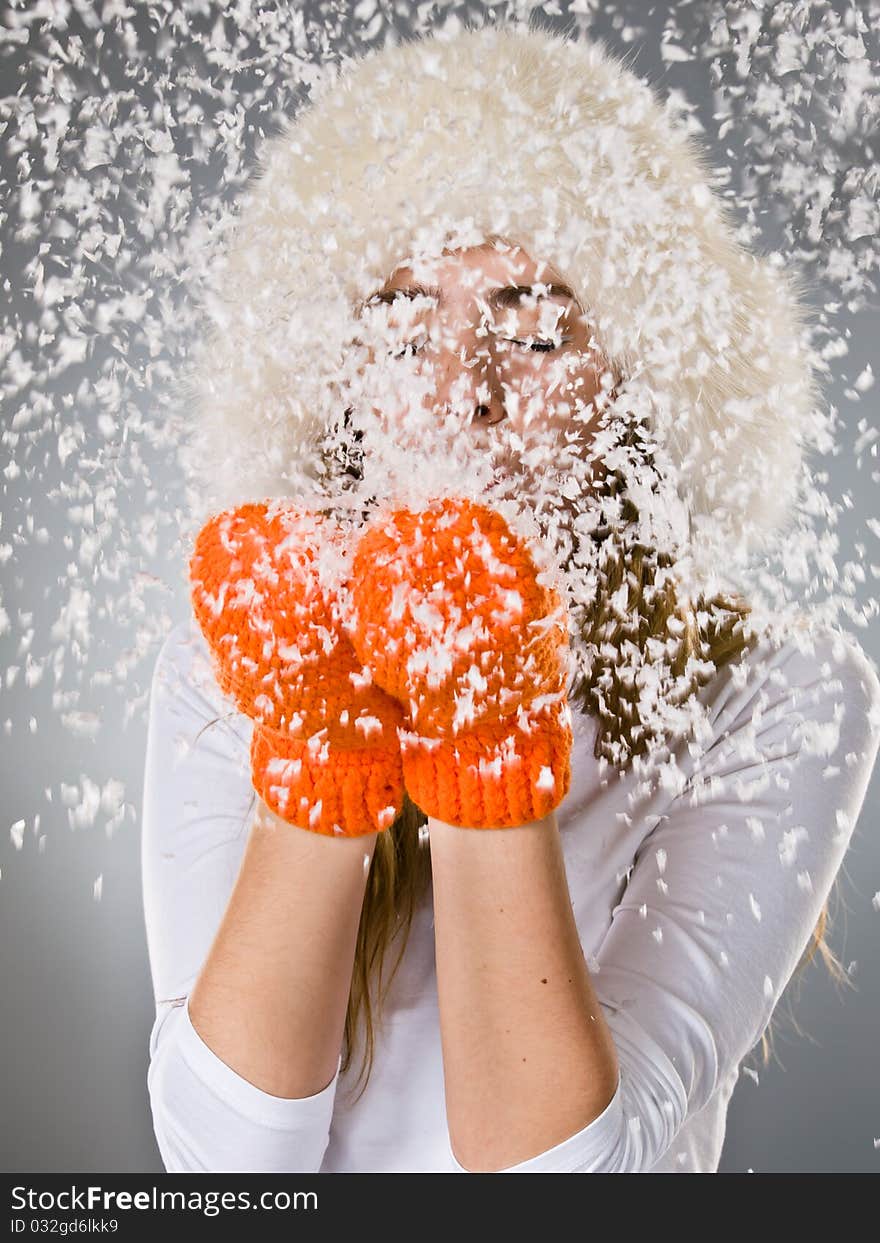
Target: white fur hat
(547,140)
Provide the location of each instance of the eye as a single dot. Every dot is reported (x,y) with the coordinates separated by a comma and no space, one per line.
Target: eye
(410,348)
(539,345)
(410,343)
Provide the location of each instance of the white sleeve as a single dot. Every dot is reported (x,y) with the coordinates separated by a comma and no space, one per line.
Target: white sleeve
(723,898)
(198,798)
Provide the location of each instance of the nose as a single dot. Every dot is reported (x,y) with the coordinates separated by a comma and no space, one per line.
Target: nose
(484,415)
(480,373)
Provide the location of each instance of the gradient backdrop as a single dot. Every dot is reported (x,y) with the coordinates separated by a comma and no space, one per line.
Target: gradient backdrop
(77,1004)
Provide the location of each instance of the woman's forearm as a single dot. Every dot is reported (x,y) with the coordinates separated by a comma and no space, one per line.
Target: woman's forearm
(528,1057)
(272,994)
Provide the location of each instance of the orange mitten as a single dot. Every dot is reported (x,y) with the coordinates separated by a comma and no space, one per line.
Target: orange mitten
(451,619)
(325,752)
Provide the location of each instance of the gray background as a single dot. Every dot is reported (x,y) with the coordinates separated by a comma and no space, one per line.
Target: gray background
(77,1001)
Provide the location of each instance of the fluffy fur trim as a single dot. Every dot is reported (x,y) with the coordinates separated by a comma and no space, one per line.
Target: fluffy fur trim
(549,141)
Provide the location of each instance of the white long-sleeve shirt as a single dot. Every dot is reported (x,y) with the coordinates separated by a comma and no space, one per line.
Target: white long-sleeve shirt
(693,908)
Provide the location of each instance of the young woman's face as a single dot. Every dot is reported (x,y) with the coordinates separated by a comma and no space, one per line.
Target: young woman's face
(499,341)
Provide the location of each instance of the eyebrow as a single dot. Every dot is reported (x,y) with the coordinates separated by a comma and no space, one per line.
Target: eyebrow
(512,295)
(407,291)
(503,296)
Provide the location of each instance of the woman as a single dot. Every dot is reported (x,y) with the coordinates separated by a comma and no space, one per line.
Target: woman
(575,991)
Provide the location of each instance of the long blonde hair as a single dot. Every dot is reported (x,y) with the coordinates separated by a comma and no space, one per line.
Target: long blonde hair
(712,631)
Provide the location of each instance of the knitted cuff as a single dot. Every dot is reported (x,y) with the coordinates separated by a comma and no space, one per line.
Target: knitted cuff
(497,776)
(335,791)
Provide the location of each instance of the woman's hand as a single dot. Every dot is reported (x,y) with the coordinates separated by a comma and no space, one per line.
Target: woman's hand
(452,619)
(325,753)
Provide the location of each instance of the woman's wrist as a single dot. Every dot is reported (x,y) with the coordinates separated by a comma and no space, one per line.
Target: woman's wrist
(272,833)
